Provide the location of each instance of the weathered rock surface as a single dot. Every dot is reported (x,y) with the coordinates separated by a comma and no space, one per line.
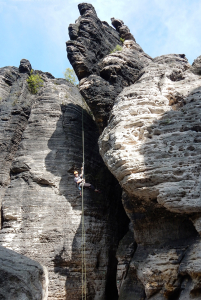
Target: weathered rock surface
(25,66)
(102,74)
(151,144)
(158,158)
(196,66)
(15,101)
(123,30)
(41,140)
(91,40)
(21,277)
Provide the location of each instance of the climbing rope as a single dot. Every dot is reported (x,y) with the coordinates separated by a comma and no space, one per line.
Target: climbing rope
(84,273)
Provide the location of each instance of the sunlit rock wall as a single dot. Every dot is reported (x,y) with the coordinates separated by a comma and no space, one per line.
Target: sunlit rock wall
(152,146)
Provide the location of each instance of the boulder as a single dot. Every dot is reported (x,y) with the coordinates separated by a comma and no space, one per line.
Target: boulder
(21,277)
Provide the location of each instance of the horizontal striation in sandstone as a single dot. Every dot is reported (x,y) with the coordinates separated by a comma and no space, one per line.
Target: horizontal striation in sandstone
(41,205)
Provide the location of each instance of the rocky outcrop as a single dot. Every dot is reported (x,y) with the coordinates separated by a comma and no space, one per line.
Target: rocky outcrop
(25,66)
(41,146)
(123,30)
(103,74)
(150,109)
(21,277)
(196,66)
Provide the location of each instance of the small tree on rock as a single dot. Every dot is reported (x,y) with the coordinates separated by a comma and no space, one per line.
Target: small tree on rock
(70,76)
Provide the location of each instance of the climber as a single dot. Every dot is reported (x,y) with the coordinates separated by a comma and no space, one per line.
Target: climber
(79,182)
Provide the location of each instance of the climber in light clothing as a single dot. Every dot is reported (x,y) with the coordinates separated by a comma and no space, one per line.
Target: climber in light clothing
(80,181)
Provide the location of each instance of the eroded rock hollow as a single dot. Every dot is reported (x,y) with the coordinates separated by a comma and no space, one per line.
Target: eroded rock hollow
(148,111)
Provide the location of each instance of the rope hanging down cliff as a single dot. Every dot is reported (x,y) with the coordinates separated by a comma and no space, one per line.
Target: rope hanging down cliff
(84,273)
(81,184)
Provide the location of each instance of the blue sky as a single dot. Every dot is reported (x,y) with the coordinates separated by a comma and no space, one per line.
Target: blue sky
(38,29)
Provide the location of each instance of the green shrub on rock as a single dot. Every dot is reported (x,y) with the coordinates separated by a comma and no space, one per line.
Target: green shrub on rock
(34,82)
(117,48)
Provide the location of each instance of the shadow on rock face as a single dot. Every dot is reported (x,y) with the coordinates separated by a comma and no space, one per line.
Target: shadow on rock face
(103,212)
(66,154)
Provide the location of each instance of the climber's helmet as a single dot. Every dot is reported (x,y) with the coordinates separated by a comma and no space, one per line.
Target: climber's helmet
(75,173)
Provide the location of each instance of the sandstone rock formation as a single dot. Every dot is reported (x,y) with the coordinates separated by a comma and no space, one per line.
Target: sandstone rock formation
(150,109)
(41,146)
(102,75)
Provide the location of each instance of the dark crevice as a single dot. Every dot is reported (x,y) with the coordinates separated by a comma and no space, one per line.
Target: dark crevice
(98,260)
(175,295)
(179,293)
(111,292)
(2,218)
(196,292)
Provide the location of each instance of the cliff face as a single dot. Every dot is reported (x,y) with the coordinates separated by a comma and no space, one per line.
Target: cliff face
(41,146)
(150,109)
